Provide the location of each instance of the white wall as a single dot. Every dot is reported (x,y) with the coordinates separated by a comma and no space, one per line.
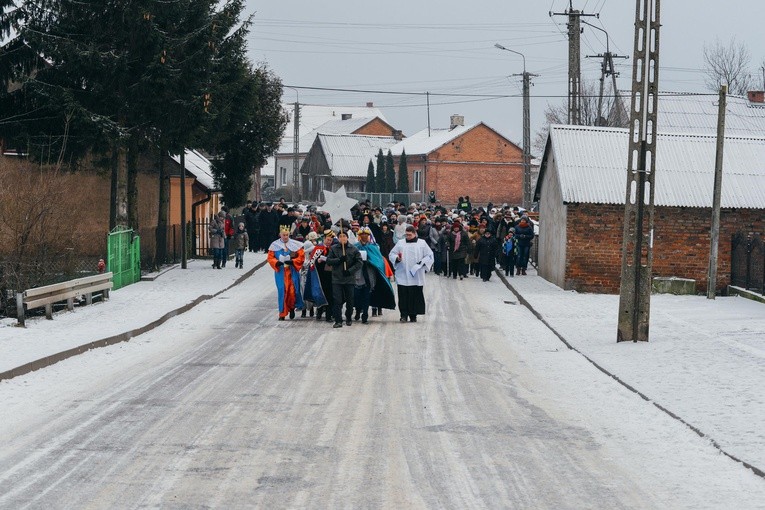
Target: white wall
(552,227)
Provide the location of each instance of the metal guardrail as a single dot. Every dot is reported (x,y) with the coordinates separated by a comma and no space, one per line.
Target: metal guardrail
(64,291)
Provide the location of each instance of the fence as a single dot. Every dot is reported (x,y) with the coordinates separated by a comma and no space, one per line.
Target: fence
(124,256)
(383,199)
(747,264)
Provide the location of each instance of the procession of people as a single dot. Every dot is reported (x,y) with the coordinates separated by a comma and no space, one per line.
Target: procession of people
(342,270)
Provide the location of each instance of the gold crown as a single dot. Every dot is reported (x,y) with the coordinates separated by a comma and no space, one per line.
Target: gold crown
(284,228)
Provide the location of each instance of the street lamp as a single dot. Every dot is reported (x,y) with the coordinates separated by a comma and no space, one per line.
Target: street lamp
(527,198)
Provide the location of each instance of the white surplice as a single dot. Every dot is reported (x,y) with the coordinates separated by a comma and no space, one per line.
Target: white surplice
(416,260)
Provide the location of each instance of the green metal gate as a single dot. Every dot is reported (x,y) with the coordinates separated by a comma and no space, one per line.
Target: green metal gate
(124,256)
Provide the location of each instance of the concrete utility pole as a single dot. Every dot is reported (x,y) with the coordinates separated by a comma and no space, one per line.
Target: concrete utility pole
(606,70)
(527,198)
(637,240)
(296,155)
(715,232)
(574,63)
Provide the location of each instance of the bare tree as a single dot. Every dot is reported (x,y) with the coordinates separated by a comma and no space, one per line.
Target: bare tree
(728,65)
(613,114)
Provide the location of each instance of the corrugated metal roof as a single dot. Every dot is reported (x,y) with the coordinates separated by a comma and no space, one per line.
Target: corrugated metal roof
(349,155)
(697,114)
(313,116)
(592,167)
(199,166)
(333,127)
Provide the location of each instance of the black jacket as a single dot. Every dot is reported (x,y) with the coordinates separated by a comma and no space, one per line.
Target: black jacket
(344,269)
(486,248)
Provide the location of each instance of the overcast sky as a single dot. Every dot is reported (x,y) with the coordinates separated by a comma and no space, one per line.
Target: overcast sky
(447,46)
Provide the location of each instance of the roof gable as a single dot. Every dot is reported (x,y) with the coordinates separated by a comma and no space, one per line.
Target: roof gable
(349,155)
(424,143)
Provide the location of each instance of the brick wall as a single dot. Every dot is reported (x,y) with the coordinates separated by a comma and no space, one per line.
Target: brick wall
(376,127)
(480,163)
(681,244)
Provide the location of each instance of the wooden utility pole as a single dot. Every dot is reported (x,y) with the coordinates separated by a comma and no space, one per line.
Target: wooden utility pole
(637,239)
(574,62)
(715,232)
(184,258)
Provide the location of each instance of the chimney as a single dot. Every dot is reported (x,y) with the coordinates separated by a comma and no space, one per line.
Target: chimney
(398,135)
(346,116)
(456,120)
(756,96)
(370,104)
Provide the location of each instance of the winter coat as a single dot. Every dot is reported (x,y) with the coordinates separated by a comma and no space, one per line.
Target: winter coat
(503,227)
(486,249)
(217,231)
(385,241)
(344,273)
(242,239)
(524,235)
(251,220)
(462,251)
(473,237)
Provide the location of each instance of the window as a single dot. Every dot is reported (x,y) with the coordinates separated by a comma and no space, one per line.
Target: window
(282,176)
(417,177)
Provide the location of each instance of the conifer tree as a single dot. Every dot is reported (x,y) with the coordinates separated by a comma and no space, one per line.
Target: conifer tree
(403,174)
(370,185)
(390,174)
(380,180)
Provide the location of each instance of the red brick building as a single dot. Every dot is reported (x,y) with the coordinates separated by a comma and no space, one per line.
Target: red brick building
(581,190)
(463,160)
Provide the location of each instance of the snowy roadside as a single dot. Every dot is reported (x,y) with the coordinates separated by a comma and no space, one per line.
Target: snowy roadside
(705,361)
(128,309)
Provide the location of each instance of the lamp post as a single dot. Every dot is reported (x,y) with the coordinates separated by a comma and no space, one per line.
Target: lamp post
(527,198)
(296,149)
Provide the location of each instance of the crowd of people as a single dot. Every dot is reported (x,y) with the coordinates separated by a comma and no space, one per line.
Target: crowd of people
(342,271)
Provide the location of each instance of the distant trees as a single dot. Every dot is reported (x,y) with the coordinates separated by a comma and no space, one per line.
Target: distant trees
(370,184)
(118,78)
(390,174)
(380,178)
(613,113)
(728,64)
(403,174)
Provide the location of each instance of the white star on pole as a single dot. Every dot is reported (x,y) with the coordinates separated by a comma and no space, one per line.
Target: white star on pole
(338,205)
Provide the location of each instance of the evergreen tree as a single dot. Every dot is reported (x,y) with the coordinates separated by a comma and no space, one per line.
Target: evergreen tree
(370,186)
(390,174)
(380,180)
(403,174)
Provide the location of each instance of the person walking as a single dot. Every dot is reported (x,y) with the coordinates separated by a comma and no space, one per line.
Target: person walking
(372,285)
(411,259)
(524,235)
(242,242)
(486,249)
(345,261)
(508,253)
(217,232)
(458,243)
(286,256)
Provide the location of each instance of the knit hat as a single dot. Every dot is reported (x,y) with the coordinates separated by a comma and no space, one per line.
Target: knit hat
(312,236)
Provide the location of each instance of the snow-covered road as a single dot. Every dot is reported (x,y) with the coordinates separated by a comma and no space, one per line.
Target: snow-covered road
(478,405)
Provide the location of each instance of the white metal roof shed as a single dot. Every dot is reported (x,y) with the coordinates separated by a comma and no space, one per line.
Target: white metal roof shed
(349,155)
(591,165)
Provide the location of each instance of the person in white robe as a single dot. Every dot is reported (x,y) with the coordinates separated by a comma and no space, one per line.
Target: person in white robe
(411,259)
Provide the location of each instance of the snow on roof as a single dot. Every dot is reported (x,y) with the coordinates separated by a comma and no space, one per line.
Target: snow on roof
(349,155)
(697,114)
(333,127)
(199,166)
(313,116)
(422,143)
(591,165)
